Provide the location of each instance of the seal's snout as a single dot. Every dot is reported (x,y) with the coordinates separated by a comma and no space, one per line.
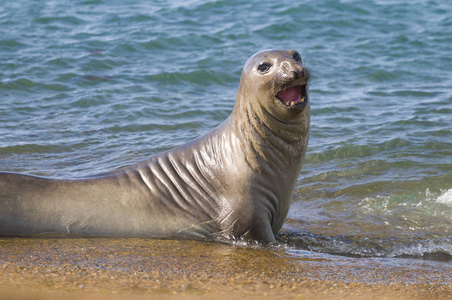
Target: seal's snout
(299,72)
(295,80)
(295,71)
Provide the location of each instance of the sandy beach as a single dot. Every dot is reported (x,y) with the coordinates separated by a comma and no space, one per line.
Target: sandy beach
(89,268)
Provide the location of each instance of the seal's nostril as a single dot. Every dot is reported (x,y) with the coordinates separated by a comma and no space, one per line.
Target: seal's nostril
(295,75)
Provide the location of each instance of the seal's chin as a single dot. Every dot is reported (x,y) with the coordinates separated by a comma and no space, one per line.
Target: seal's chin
(294,96)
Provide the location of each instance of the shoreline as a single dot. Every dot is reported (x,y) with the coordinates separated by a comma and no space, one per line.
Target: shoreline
(76,268)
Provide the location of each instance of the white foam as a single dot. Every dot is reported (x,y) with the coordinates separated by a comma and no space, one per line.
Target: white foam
(445,198)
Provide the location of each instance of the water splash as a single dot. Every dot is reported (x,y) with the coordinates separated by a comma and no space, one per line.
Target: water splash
(445,198)
(413,224)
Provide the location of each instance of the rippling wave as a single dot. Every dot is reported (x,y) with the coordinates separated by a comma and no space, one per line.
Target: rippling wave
(359,246)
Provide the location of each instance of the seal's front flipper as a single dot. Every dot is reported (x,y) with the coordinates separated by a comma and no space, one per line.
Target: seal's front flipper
(260,231)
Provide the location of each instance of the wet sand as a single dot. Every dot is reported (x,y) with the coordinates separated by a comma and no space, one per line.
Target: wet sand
(109,268)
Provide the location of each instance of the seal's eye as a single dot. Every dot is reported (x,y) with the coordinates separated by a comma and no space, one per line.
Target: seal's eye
(264,67)
(297,56)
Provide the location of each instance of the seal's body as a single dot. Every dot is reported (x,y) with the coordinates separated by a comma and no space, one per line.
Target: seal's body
(234,182)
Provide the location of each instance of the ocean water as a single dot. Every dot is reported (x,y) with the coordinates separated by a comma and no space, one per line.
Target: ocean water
(90,86)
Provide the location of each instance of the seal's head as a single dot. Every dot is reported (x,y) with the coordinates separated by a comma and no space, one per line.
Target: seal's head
(278,80)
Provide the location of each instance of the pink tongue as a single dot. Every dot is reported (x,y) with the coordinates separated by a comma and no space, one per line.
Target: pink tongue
(291,94)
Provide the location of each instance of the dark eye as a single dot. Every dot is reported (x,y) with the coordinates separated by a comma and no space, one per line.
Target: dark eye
(297,56)
(264,67)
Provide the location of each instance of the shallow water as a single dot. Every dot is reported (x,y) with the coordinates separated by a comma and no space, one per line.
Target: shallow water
(150,262)
(90,86)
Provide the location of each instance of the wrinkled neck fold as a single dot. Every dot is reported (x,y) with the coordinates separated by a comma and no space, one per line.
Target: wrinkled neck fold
(266,137)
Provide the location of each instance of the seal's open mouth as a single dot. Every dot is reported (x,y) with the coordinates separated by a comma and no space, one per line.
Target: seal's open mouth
(293,96)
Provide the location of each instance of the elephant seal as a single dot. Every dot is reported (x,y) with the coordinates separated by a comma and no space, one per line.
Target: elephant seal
(234,182)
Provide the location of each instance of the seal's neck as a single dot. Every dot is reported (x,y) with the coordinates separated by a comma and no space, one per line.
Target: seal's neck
(265,137)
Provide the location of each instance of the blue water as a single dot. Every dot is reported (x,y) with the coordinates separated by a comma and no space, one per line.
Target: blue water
(90,86)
